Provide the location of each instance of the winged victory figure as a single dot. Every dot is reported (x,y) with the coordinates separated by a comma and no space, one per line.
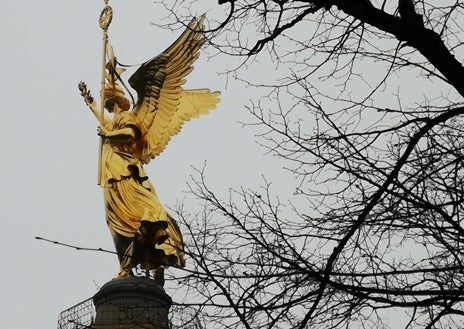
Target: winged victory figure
(143,232)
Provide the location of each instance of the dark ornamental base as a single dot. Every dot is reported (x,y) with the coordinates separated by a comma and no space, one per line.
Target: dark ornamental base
(134,302)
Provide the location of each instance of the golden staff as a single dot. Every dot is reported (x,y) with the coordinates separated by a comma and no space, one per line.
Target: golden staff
(105,19)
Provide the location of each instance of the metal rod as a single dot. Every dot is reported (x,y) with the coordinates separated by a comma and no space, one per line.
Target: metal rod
(105,20)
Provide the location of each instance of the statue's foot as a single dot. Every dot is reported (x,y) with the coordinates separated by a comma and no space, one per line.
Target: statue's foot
(123,274)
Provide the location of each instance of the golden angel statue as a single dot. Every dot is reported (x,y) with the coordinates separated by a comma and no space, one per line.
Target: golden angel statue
(143,232)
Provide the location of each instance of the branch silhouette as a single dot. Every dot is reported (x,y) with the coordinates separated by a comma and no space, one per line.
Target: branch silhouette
(73,246)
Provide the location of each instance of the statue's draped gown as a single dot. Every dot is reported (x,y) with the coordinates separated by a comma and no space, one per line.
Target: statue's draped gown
(130,196)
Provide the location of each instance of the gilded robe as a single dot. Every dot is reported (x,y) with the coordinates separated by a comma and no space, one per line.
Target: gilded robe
(130,196)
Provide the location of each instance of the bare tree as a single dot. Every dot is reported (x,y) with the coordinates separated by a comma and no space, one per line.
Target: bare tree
(367,115)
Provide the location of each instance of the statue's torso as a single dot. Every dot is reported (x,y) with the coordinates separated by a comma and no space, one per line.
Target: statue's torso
(121,157)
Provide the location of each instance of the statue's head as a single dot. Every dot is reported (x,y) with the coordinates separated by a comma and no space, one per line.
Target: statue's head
(115,96)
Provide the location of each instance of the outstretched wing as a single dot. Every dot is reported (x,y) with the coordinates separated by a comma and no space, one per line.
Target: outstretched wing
(163,106)
(192,104)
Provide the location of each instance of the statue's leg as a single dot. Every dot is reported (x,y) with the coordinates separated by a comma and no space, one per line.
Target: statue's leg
(125,250)
(159,275)
(126,263)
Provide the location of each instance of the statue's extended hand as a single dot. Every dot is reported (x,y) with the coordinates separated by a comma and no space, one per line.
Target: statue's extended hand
(85,93)
(102,131)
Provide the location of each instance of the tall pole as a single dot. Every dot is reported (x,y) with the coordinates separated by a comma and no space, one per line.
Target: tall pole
(105,19)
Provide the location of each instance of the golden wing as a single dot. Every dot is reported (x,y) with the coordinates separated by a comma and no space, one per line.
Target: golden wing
(163,106)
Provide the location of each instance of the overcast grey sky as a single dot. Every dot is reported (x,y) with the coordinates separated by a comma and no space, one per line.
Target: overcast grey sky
(50,148)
